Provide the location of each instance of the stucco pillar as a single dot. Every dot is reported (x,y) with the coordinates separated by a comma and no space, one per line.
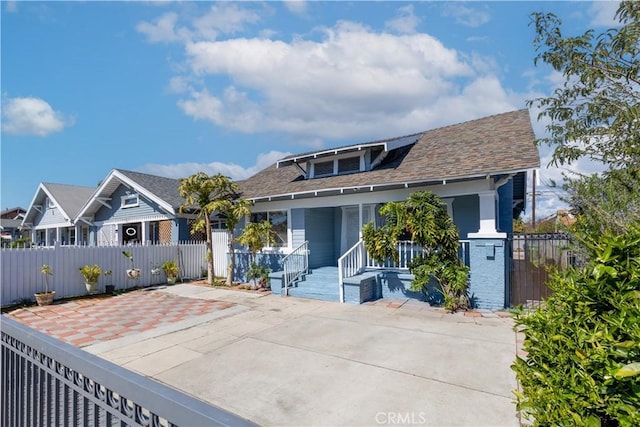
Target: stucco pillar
(487,217)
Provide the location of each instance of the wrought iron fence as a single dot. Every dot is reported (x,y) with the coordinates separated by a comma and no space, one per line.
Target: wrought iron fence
(47,382)
(533,256)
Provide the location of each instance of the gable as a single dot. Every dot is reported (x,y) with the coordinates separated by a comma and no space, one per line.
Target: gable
(125,204)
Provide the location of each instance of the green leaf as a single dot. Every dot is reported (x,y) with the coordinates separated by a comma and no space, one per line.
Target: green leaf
(628,370)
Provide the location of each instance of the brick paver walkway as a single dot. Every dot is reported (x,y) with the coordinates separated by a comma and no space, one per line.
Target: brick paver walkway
(86,321)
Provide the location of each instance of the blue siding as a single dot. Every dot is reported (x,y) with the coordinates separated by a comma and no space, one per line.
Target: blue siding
(466,214)
(49,216)
(505,207)
(145,207)
(297,226)
(337,233)
(320,231)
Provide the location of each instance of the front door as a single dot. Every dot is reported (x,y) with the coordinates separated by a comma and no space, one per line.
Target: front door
(351,225)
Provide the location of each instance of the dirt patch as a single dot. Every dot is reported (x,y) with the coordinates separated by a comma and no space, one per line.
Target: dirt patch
(240,287)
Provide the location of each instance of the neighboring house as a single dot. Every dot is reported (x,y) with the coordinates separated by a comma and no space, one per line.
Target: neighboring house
(13,213)
(50,218)
(10,224)
(135,208)
(324,197)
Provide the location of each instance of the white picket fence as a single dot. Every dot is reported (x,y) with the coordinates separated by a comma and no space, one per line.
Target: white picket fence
(21,278)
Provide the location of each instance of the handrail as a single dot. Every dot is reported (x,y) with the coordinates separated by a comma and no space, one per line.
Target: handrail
(295,265)
(352,262)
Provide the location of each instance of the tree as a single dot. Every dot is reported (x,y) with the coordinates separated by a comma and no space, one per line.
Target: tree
(233,210)
(583,345)
(424,218)
(199,192)
(583,360)
(596,113)
(257,235)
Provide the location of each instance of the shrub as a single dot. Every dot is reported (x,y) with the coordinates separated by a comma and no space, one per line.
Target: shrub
(583,345)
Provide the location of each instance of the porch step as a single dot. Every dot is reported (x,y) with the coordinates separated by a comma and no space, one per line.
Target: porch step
(321,283)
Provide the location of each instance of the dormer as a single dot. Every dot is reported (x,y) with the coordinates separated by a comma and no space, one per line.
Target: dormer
(346,160)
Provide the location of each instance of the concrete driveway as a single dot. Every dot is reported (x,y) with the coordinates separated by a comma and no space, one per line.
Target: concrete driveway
(297,362)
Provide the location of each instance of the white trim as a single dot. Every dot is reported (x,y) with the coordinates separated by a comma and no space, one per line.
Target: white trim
(124,199)
(455,189)
(124,180)
(133,219)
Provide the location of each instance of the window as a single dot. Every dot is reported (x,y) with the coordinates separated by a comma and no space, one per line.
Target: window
(278,220)
(130,201)
(323,168)
(349,164)
(337,166)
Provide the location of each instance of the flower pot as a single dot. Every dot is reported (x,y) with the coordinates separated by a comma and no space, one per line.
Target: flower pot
(45,298)
(133,273)
(91,286)
(171,280)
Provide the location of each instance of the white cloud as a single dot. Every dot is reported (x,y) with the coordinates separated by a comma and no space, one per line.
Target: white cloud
(349,84)
(467,16)
(163,30)
(298,7)
(31,116)
(405,23)
(222,18)
(603,13)
(232,170)
(11,6)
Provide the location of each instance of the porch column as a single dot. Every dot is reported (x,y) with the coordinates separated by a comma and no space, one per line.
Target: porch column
(359,220)
(144,232)
(58,236)
(449,203)
(487,217)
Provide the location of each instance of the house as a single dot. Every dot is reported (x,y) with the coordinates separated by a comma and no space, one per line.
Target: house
(13,213)
(10,222)
(51,216)
(478,168)
(135,208)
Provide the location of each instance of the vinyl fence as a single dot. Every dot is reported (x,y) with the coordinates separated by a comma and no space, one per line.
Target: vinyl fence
(20,268)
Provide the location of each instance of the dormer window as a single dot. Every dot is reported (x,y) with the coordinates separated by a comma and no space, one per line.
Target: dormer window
(130,201)
(337,166)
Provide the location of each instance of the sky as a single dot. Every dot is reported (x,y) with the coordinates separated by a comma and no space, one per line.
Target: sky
(174,88)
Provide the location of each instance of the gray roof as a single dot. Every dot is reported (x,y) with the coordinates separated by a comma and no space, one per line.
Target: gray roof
(164,188)
(503,143)
(70,198)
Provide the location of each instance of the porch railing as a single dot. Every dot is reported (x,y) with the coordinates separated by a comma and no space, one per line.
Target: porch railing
(351,263)
(356,260)
(295,265)
(48,382)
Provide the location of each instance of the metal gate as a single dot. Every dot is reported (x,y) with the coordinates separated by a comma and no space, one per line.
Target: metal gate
(532,258)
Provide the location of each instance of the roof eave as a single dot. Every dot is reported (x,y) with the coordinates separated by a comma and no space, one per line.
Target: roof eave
(383,186)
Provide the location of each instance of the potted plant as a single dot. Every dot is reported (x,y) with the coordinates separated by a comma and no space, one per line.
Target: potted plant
(91,275)
(46,297)
(109,288)
(133,272)
(171,270)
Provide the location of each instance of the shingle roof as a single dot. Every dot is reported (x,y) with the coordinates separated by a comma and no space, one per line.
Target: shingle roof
(164,188)
(70,198)
(488,146)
